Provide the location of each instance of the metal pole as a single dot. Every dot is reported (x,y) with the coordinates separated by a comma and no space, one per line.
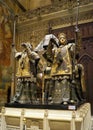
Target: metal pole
(13,60)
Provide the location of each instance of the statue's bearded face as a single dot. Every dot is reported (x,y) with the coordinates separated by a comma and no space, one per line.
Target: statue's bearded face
(62,39)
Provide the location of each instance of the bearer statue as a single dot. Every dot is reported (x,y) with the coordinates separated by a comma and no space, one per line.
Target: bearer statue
(63,80)
(26,89)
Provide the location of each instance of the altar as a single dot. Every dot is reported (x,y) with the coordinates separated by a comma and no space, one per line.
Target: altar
(46,119)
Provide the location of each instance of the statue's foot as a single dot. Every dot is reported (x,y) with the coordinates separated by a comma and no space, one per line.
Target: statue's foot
(50,101)
(73,101)
(64,102)
(14,101)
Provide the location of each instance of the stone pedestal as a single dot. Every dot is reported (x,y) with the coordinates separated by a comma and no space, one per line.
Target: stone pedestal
(47,119)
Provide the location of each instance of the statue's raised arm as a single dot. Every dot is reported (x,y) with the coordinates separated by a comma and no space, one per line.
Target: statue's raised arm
(59,87)
(26,75)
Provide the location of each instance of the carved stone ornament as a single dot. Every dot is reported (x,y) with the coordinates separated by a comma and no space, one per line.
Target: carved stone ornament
(57,6)
(33,25)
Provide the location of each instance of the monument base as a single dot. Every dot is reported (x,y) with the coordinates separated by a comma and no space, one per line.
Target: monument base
(43,117)
(69,106)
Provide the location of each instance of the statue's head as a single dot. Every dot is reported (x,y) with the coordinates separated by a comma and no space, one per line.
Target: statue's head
(26,45)
(62,38)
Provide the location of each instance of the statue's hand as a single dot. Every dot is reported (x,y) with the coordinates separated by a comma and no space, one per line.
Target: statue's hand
(27,45)
(24,44)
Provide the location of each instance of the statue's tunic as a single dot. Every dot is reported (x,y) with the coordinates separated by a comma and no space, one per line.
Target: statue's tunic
(23,69)
(62,62)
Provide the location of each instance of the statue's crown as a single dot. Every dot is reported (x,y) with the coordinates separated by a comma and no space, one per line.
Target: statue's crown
(61,35)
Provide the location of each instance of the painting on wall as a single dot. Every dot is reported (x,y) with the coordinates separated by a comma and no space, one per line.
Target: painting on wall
(5,47)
